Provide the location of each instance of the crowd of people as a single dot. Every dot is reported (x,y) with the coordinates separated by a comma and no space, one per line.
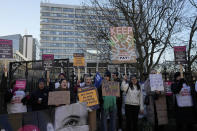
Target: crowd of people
(136,98)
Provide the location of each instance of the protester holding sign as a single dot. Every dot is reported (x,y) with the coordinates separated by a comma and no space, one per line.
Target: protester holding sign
(133,104)
(13,99)
(91,111)
(155,105)
(39,98)
(184,103)
(108,107)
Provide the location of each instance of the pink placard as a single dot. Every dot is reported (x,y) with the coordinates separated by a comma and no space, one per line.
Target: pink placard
(48,57)
(179,48)
(20,84)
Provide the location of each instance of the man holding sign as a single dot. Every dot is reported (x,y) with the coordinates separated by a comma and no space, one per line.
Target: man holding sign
(88,94)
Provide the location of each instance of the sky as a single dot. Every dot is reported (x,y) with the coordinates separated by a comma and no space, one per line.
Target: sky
(23,16)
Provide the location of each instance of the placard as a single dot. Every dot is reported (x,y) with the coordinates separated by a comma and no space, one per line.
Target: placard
(180,54)
(20,84)
(6,50)
(110,88)
(156,82)
(59,98)
(79,60)
(48,60)
(90,96)
(122,45)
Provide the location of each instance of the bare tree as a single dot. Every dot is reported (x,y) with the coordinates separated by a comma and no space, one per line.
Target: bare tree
(154,22)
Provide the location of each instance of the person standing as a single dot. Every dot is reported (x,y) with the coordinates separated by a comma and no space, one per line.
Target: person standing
(91,112)
(133,104)
(39,98)
(108,107)
(184,103)
(118,101)
(156,107)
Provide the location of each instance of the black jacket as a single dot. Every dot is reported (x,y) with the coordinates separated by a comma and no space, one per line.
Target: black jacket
(35,97)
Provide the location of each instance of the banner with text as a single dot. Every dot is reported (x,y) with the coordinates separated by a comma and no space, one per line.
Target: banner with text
(79,60)
(48,60)
(90,96)
(122,45)
(156,82)
(6,50)
(180,54)
(110,88)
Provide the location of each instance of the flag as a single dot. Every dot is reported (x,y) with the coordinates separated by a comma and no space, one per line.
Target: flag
(97,80)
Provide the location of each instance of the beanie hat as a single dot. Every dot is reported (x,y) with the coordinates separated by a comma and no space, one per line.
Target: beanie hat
(107,74)
(41,80)
(177,74)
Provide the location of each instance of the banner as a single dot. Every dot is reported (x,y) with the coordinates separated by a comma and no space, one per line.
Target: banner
(20,84)
(48,60)
(59,98)
(180,54)
(110,88)
(6,50)
(90,96)
(64,118)
(156,82)
(97,80)
(122,45)
(79,60)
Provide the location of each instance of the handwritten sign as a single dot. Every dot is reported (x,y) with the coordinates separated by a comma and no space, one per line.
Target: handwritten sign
(90,96)
(180,54)
(110,88)
(48,60)
(6,50)
(79,60)
(20,84)
(156,82)
(122,44)
(59,97)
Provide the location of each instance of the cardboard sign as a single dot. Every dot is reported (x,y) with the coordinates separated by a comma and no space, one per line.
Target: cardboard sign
(59,97)
(20,84)
(48,60)
(180,54)
(122,44)
(110,88)
(6,50)
(79,60)
(156,82)
(89,95)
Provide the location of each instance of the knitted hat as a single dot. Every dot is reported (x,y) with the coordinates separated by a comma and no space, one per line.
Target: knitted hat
(41,80)
(107,74)
(62,74)
(116,73)
(177,74)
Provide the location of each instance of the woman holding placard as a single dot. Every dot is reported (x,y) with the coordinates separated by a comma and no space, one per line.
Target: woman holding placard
(184,103)
(13,98)
(133,103)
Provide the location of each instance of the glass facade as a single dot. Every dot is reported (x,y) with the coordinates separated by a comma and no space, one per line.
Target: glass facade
(63,28)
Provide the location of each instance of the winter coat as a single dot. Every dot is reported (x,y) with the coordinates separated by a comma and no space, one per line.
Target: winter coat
(35,96)
(156,108)
(133,96)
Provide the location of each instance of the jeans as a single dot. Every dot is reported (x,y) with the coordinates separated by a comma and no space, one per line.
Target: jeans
(112,117)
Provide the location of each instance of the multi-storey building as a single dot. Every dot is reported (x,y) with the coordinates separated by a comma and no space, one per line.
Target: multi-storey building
(62,33)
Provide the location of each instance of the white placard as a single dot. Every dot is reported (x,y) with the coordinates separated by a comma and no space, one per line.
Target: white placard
(156,82)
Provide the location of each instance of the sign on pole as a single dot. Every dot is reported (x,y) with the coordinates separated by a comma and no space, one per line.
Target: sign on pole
(156,82)
(110,88)
(6,50)
(79,60)
(90,96)
(48,60)
(180,54)
(122,45)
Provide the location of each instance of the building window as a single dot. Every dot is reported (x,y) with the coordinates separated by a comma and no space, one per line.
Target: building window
(45,8)
(68,21)
(68,10)
(56,9)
